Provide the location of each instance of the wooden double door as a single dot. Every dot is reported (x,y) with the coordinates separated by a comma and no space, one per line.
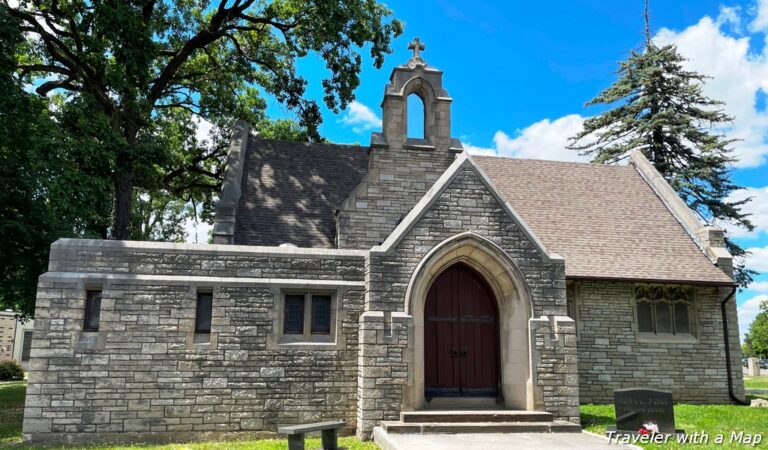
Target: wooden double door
(461,336)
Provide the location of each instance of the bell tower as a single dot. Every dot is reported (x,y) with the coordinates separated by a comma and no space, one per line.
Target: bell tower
(417,78)
(401,166)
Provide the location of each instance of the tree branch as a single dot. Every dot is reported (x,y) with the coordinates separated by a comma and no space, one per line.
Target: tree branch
(62,54)
(29,68)
(203,38)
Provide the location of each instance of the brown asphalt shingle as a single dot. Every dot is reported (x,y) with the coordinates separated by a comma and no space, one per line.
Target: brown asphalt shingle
(606,221)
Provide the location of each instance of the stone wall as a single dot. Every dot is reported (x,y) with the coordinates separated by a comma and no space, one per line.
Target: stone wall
(611,356)
(141,376)
(396,180)
(465,205)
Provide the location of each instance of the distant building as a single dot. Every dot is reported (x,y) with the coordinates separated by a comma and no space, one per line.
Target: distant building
(15,337)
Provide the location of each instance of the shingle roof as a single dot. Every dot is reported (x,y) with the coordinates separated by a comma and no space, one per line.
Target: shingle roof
(290,191)
(606,221)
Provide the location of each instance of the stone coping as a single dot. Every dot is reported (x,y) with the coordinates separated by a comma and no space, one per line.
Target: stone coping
(55,277)
(215,249)
(708,238)
(226,208)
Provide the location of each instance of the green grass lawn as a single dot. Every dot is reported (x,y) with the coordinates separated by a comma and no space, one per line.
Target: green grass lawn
(12,413)
(712,419)
(756,383)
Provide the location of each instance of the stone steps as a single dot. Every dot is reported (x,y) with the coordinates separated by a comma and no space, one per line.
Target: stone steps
(463,416)
(556,426)
(477,421)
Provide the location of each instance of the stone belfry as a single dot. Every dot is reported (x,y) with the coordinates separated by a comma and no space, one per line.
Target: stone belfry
(416,78)
(402,167)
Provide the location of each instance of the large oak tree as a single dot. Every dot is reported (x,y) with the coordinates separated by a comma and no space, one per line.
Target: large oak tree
(134,76)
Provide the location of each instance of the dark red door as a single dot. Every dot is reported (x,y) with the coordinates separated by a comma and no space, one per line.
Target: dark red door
(461,336)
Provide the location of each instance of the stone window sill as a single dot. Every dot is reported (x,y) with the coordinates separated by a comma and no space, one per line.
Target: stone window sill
(302,342)
(418,144)
(202,341)
(90,341)
(307,345)
(666,338)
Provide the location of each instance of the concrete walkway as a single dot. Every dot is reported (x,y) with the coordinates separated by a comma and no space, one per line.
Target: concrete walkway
(527,441)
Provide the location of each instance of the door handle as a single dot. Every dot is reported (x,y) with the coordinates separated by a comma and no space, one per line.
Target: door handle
(454,352)
(463,352)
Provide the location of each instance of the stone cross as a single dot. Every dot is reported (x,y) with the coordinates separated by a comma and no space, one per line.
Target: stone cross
(416,46)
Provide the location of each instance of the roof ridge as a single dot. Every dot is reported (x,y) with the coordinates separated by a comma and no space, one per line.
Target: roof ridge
(306,143)
(577,163)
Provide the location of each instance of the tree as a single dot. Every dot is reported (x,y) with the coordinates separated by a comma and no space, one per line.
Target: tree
(26,221)
(746,347)
(56,173)
(658,107)
(49,180)
(758,331)
(136,73)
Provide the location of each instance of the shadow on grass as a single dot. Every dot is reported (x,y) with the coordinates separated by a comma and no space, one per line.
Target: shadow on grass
(596,418)
(599,420)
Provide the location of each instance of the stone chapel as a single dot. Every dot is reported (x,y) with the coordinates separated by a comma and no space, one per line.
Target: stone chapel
(371,284)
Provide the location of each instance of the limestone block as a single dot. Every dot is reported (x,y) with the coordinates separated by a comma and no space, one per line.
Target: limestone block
(272,372)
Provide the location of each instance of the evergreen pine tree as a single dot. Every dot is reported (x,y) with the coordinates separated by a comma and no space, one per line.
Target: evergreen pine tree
(657,107)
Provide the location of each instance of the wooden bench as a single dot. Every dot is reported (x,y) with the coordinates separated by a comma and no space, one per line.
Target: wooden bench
(328,432)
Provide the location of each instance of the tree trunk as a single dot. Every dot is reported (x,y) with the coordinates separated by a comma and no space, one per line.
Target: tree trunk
(123,199)
(121,206)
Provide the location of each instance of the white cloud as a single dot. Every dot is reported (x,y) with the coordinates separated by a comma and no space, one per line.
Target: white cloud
(361,118)
(737,76)
(730,16)
(758,208)
(545,139)
(482,151)
(761,18)
(759,286)
(758,260)
(747,312)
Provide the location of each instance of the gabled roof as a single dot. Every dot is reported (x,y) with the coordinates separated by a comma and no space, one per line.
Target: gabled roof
(463,161)
(290,191)
(606,221)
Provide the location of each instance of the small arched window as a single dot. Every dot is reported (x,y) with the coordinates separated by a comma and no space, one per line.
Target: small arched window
(417,117)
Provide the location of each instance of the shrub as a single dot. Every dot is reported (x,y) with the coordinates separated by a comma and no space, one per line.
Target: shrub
(11,370)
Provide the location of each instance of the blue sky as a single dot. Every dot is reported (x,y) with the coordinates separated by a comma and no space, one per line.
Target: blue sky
(520,72)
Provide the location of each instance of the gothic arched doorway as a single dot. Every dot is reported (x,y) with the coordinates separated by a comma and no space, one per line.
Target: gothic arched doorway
(461,336)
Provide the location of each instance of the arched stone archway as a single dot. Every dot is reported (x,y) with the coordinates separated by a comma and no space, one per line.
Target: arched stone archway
(514,305)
